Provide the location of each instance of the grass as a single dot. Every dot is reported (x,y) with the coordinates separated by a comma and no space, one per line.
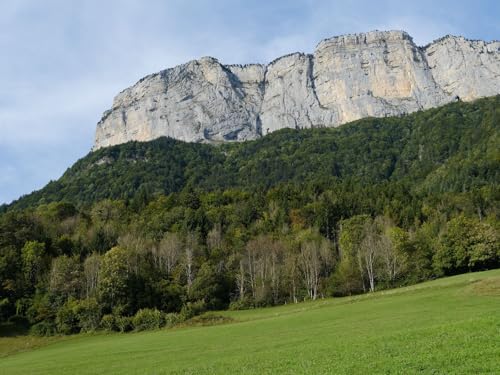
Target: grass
(448,326)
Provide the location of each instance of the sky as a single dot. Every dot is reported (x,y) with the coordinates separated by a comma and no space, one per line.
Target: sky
(62,62)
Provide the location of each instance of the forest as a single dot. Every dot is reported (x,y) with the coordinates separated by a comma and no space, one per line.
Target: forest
(145,235)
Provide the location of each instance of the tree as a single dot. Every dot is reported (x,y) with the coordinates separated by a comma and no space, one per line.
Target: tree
(113,277)
(315,257)
(251,262)
(346,280)
(485,253)
(263,262)
(137,247)
(190,248)
(166,255)
(88,312)
(210,286)
(32,255)
(395,253)
(65,277)
(91,267)
(214,237)
(362,241)
(11,285)
(292,274)
(66,318)
(352,233)
(465,245)
(276,257)
(240,278)
(370,249)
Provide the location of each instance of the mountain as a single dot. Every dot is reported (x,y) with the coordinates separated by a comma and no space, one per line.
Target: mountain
(453,148)
(146,234)
(379,74)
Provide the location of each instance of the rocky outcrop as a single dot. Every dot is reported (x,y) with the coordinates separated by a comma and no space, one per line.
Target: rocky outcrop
(469,69)
(347,78)
(375,74)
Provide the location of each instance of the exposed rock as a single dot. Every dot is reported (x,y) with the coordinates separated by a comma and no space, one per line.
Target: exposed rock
(196,101)
(469,69)
(290,100)
(348,77)
(374,74)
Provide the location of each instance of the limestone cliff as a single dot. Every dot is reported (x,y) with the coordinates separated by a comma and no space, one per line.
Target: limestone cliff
(347,78)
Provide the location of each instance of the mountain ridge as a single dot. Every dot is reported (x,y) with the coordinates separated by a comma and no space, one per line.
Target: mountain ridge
(379,73)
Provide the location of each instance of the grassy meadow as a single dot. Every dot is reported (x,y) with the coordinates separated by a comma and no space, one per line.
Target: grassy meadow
(447,326)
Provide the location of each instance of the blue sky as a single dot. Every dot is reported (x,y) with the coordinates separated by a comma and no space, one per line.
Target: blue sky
(63,61)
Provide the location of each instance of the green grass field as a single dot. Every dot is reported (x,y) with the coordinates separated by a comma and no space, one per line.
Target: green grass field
(448,326)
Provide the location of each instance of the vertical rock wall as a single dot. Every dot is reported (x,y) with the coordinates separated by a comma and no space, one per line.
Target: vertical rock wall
(348,77)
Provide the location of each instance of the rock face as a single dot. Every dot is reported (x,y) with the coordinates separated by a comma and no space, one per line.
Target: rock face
(467,68)
(347,78)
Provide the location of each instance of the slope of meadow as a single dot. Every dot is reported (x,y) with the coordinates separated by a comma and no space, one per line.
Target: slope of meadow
(448,326)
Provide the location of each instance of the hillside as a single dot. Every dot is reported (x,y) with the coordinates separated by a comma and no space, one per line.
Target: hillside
(449,326)
(452,148)
(139,235)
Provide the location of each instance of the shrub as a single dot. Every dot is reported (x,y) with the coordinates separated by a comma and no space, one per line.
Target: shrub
(108,322)
(67,319)
(146,319)
(191,309)
(171,319)
(123,323)
(88,312)
(43,329)
(243,304)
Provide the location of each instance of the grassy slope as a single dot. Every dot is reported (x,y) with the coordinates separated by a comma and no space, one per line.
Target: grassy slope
(447,326)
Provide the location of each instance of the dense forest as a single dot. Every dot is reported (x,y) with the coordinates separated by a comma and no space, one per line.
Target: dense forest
(143,235)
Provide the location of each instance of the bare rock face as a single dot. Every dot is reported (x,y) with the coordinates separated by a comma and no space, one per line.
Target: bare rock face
(348,77)
(374,74)
(200,100)
(466,68)
(290,100)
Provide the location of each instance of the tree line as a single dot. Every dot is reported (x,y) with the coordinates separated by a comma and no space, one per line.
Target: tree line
(67,270)
(151,234)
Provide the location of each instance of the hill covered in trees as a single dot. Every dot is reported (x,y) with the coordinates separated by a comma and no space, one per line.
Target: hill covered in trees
(147,234)
(452,148)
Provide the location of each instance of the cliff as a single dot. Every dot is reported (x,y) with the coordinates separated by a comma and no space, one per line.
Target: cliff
(379,73)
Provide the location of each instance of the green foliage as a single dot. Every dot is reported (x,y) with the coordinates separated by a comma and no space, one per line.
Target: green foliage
(116,322)
(79,316)
(452,148)
(108,322)
(192,309)
(65,276)
(466,244)
(32,255)
(180,228)
(43,328)
(211,286)
(67,318)
(88,312)
(123,323)
(171,319)
(113,278)
(346,280)
(146,319)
